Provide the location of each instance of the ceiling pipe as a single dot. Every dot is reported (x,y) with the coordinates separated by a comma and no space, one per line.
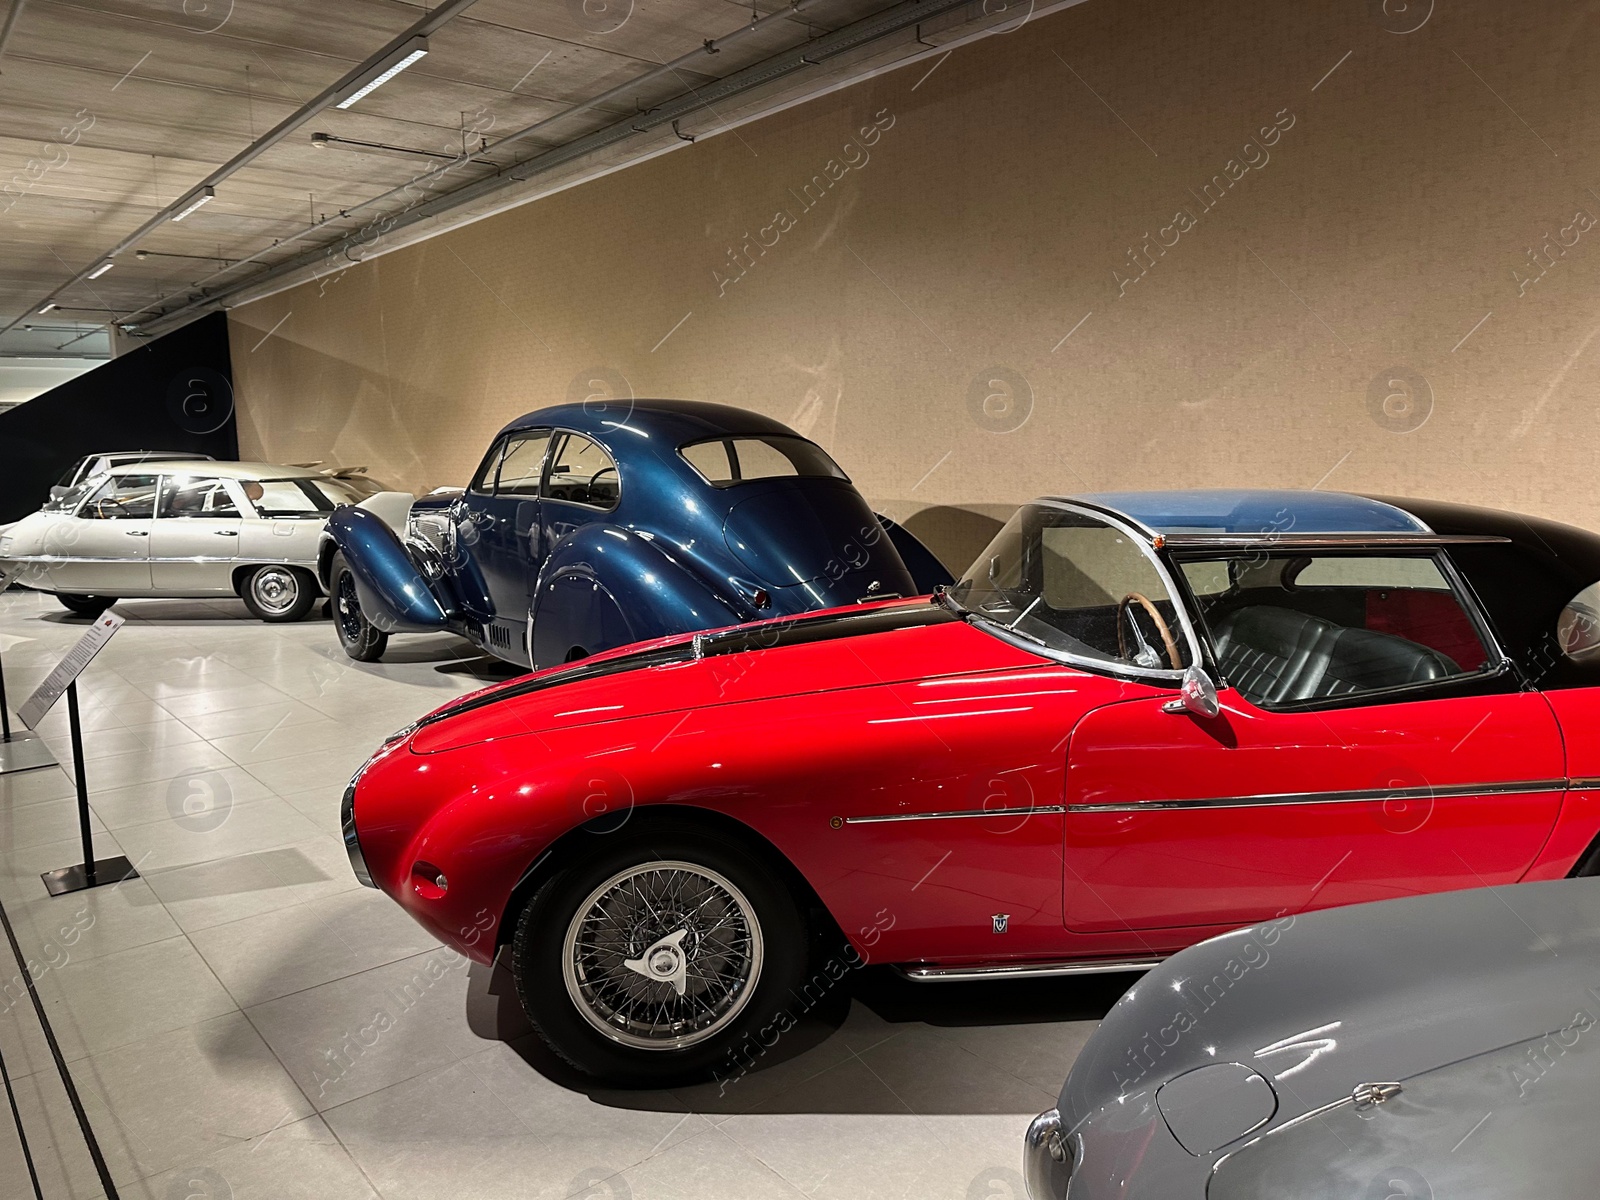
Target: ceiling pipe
(623,94)
(324,99)
(895,19)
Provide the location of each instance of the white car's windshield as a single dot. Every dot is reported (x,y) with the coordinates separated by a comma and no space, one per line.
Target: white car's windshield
(72,497)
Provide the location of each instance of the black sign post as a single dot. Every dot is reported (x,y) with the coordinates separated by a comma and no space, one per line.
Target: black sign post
(22,750)
(91,872)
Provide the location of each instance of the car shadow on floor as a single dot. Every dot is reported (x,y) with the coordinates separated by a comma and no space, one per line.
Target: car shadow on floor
(875,1043)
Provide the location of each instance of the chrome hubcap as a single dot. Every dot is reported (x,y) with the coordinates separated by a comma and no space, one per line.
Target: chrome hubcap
(663,955)
(275,590)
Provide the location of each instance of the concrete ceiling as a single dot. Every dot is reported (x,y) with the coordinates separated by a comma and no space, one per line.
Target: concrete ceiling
(114,110)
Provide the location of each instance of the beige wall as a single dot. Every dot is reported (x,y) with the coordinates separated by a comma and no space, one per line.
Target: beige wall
(1388,215)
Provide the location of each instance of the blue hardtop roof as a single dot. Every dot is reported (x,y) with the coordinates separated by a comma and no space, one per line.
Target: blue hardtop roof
(1257,511)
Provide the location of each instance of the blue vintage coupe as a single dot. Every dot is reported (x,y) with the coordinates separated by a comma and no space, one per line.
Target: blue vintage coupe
(590,526)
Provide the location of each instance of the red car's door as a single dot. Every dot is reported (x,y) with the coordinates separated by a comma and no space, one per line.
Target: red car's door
(1173,820)
(1308,789)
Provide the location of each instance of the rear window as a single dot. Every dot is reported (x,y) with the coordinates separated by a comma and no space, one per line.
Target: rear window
(727,461)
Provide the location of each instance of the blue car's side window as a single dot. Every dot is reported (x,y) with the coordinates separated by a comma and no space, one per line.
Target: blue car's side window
(581,472)
(522,465)
(483,481)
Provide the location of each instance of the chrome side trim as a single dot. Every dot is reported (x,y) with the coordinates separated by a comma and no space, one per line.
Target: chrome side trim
(1042,810)
(1518,788)
(1583,784)
(1045,970)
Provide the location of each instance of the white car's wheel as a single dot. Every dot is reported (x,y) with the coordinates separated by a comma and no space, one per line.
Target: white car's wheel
(85,606)
(278,593)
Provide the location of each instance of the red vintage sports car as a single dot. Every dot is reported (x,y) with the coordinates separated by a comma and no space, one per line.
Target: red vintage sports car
(1139,720)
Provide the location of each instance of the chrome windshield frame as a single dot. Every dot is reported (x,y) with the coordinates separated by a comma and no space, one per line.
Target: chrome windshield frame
(1148,544)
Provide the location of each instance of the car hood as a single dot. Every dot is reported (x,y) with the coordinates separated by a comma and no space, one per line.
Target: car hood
(1516,1121)
(1321,1003)
(859,646)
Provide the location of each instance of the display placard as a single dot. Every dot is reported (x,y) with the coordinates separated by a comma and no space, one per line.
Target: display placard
(69,668)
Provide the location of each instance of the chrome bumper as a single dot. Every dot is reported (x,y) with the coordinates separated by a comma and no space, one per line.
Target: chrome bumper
(1046,1158)
(352,844)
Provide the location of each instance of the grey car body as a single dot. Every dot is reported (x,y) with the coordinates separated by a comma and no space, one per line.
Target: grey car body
(1430,1047)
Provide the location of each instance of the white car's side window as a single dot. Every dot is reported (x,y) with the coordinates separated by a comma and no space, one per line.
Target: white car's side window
(191,497)
(122,497)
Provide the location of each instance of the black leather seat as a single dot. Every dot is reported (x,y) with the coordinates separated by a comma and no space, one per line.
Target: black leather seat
(1277,656)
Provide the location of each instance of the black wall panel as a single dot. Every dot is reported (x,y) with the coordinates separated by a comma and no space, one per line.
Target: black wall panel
(174,393)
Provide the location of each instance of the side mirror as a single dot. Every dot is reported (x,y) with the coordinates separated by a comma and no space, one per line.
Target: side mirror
(1197,695)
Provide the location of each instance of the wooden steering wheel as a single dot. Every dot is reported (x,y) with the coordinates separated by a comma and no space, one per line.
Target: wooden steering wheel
(1167,640)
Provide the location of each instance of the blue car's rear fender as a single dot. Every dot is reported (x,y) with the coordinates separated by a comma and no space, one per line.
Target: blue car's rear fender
(604,586)
(394,595)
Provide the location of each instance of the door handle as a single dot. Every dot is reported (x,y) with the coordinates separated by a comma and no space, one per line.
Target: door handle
(226,532)
(137,532)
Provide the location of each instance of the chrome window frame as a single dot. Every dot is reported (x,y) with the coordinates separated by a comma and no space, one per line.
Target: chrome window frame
(1496,661)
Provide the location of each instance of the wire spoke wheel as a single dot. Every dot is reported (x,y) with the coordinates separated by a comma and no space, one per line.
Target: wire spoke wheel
(347,609)
(663,955)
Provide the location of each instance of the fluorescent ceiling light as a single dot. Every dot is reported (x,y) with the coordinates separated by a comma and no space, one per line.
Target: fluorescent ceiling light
(204,196)
(403,58)
(48,306)
(101,269)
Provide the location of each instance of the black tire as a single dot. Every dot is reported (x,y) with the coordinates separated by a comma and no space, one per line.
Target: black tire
(768,963)
(278,593)
(85,606)
(361,641)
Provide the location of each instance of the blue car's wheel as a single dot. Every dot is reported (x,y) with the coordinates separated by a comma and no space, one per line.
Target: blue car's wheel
(361,641)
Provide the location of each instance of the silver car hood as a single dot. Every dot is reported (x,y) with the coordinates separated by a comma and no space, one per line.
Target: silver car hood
(1517,1121)
(1322,1003)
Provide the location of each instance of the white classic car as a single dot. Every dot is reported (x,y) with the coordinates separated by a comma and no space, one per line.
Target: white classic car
(179,529)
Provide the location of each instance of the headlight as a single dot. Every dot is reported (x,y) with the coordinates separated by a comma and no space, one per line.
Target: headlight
(352,843)
(1046,1158)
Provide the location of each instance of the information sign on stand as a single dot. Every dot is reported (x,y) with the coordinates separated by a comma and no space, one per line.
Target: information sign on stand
(22,749)
(64,681)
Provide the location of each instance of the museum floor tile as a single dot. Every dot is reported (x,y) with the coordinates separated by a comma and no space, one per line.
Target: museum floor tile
(218,1013)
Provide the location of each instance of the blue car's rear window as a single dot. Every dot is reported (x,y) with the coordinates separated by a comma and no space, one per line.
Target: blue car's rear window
(723,462)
